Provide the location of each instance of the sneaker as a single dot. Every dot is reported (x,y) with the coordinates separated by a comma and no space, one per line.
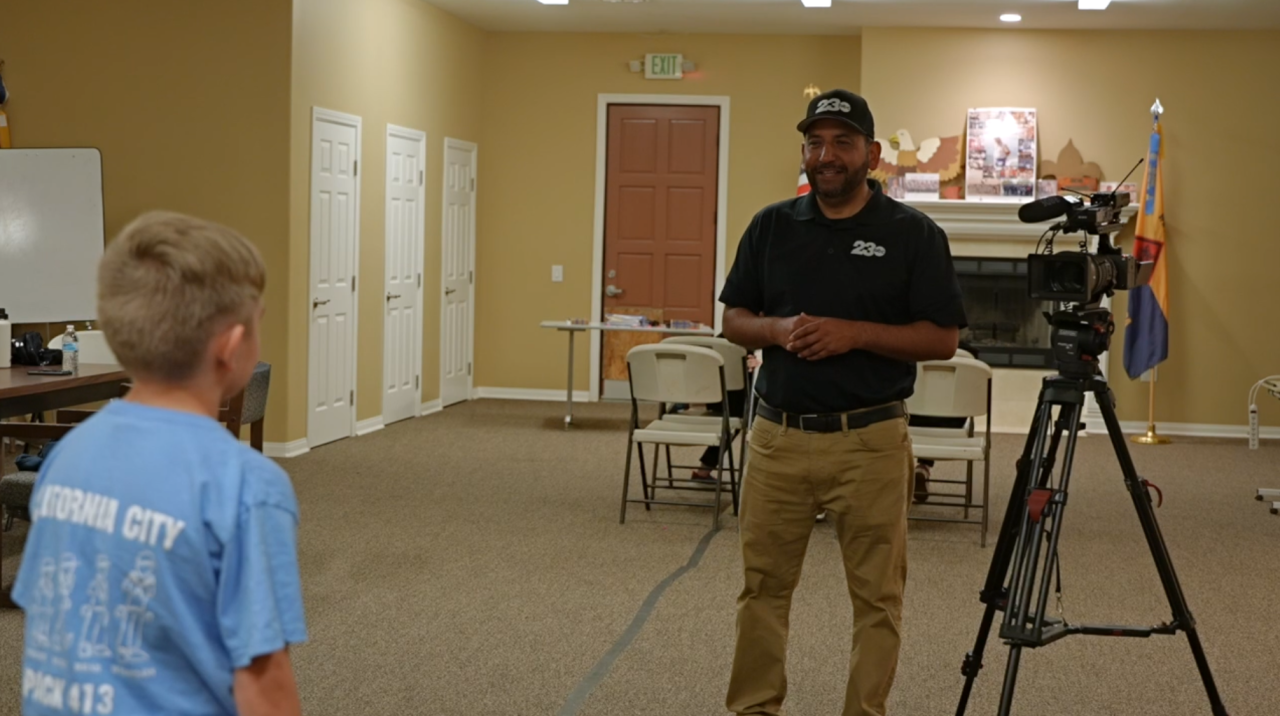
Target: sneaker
(704,475)
(921,483)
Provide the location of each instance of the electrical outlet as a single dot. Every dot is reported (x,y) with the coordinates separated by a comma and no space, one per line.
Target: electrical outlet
(557,274)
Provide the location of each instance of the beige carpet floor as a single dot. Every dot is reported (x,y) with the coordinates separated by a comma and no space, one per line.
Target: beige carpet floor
(471,563)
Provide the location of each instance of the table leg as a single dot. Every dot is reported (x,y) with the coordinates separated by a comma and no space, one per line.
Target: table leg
(568,405)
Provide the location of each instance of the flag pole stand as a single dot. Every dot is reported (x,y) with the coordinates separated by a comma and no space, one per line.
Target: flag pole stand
(1151,438)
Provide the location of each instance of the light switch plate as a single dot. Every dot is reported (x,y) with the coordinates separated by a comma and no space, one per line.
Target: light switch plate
(557,274)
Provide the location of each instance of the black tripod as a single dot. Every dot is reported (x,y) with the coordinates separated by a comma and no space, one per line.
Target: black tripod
(1027,550)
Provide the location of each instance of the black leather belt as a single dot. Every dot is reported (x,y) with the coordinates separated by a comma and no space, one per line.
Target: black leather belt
(830,422)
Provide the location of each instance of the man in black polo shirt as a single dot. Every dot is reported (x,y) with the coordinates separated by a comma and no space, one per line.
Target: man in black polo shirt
(844,289)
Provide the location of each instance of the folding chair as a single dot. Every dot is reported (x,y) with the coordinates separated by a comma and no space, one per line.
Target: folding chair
(956,388)
(16,488)
(249,407)
(667,373)
(735,376)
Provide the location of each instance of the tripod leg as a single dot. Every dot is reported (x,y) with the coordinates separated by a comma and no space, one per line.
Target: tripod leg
(1010,679)
(1030,533)
(1035,469)
(1159,551)
(993,591)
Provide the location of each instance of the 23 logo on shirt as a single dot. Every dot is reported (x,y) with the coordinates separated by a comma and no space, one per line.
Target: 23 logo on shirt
(867,248)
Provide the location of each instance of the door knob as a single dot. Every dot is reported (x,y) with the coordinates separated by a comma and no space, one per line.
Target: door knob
(391,295)
(612,290)
(316,303)
(448,291)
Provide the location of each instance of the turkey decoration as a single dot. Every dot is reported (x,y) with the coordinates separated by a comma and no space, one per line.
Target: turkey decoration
(900,156)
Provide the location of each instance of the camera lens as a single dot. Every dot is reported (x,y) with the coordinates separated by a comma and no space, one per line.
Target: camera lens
(1066,277)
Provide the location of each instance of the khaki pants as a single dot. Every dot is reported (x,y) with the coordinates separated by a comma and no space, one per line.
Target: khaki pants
(862,478)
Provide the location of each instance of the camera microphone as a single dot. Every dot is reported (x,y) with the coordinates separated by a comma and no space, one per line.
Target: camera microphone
(1050,207)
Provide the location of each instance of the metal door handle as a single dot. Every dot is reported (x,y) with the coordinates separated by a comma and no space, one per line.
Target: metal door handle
(448,291)
(316,303)
(391,295)
(612,290)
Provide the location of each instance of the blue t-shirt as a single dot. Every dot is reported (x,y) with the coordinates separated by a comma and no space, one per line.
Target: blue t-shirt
(163,557)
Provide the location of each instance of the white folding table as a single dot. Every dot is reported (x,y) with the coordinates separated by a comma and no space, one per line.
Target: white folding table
(572,328)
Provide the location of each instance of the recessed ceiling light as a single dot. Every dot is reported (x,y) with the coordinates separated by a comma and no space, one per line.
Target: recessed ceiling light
(554,2)
(1011,17)
(1094,4)
(816,3)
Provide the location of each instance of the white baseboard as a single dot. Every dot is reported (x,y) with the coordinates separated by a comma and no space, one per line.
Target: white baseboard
(369,425)
(551,396)
(285,450)
(428,408)
(1197,430)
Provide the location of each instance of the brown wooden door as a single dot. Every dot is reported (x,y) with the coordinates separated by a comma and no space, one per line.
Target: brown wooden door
(660,220)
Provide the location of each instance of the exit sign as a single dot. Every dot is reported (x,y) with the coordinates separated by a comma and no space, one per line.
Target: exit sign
(663,67)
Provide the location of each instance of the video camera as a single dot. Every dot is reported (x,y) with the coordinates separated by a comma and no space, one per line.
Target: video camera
(1080,277)
(1082,330)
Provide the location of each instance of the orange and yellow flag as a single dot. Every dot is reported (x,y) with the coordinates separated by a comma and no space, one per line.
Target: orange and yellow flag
(1146,337)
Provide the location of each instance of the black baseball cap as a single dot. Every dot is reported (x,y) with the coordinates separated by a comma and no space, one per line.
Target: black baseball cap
(842,105)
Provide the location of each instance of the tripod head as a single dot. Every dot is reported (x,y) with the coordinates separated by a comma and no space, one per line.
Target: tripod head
(1079,338)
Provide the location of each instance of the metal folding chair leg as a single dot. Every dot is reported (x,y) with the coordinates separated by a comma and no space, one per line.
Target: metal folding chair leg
(735,473)
(968,487)
(726,452)
(649,493)
(626,481)
(986,494)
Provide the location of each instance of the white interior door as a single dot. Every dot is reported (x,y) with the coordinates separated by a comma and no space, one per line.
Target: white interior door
(335,221)
(402,319)
(458,246)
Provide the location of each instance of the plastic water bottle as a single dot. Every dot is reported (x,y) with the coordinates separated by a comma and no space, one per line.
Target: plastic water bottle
(70,351)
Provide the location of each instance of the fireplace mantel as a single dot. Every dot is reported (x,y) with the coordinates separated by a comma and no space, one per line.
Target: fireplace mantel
(986,220)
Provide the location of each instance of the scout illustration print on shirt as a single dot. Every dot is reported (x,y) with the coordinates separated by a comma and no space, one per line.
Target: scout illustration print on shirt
(96,614)
(139,587)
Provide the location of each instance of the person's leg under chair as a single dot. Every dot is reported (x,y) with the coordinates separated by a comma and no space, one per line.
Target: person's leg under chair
(710,458)
(866,499)
(924,469)
(775,522)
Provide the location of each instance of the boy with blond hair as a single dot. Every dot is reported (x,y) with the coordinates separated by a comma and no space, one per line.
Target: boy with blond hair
(161,572)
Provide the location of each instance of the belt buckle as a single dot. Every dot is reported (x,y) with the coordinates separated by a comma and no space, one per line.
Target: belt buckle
(802,427)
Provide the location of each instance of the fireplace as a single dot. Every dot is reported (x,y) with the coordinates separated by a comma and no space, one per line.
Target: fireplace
(1006,328)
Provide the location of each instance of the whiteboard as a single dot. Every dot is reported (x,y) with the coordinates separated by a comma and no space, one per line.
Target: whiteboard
(51,233)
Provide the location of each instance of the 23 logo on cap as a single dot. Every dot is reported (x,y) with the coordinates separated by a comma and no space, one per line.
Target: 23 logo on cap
(834,105)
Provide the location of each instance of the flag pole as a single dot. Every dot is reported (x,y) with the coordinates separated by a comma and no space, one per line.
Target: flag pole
(1151,438)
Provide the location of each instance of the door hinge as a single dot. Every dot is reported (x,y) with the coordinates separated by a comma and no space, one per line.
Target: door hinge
(471,277)
(416,386)
(473,183)
(468,369)
(419,280)
(353,284)
(355,168)
(422,178)
(353,396)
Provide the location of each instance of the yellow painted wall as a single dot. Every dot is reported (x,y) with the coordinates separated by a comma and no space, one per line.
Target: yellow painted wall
(402,62)
(189,104)
(207,110)
(1219,181)
(538,161)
